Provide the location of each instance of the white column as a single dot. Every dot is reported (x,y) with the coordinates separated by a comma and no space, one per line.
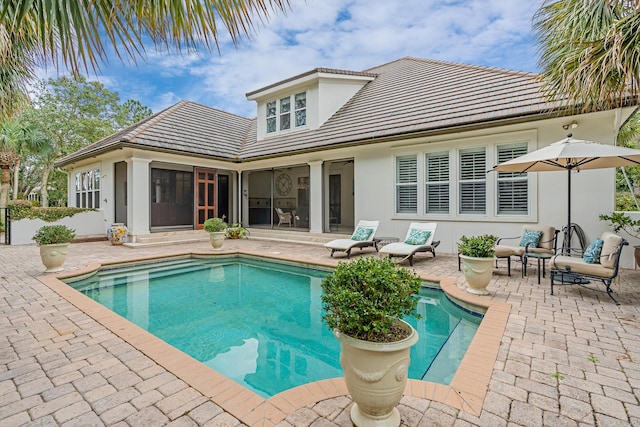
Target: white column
(315,196)
(138,175)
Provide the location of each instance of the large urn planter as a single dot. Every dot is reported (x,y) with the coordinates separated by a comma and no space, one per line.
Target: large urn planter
(476,254)
(217,239)
(478,273)
(53,256)
(363,302)
(217,229)
(376,375)
(53,241)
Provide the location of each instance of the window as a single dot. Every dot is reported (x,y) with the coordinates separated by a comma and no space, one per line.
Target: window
(407,184)
(301,109)
(473,181)
(512,187)
(278,114)
(285,113)
(271,116)
(88,189)
(437,183)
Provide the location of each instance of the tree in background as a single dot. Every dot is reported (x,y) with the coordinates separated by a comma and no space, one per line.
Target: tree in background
(590,59)
(628,179)
(71,114)
(590,51)
(78,34)
(16,139)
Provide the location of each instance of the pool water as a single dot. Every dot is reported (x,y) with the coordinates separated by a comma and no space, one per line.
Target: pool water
(260,322)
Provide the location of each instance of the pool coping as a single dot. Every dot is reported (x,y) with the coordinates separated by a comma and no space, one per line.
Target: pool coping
(466,391)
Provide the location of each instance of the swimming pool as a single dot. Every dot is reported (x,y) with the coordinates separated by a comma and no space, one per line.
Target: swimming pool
(259,323)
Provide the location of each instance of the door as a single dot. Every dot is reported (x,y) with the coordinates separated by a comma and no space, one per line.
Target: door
(222,207)
(335,196)
(120,192)
(205,196)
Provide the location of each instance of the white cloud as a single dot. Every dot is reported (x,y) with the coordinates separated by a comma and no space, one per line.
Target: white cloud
(355,35)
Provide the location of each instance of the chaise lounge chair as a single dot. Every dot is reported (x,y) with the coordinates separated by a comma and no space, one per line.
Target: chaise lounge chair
(419,239)
(362,237)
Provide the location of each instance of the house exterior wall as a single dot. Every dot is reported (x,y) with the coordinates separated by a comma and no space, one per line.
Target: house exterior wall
(593,191)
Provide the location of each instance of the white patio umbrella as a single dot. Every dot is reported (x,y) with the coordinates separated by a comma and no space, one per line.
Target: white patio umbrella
(572,154)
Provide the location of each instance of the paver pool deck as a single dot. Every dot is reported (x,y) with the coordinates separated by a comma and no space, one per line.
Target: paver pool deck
(569,359)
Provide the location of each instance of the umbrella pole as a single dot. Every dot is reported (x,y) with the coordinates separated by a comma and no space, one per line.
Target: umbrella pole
(567,234)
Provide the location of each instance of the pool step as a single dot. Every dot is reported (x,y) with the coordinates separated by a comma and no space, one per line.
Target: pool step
(196,236)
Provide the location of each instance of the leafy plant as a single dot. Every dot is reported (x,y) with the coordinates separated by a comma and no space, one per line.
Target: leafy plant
(54,234)
(478,246)
(237,231)
(21,209)
(592,358)
(214,225)
(363,298)
(620,221)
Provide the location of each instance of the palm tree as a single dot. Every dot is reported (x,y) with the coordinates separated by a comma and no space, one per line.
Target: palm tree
(590,51)
(78,33)
(12,136)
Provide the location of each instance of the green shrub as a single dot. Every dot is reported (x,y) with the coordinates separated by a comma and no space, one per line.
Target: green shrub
(23,209)
(362,298)
(478,246)
(619,221)
(213,225)
(237,231)
(53,234)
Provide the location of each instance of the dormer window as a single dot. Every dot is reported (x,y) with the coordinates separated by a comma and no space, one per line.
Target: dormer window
(279,113)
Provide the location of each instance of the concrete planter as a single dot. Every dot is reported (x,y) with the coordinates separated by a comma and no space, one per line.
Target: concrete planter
(376,375)
(478,273)
(217,238)
(53,256)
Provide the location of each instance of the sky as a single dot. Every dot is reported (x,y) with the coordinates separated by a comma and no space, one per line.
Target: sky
(342,34)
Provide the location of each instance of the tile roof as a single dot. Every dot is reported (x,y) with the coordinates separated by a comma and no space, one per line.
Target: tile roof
(408,96)
(186,127)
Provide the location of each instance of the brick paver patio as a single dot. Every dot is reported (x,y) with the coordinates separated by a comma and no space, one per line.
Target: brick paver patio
(570,359)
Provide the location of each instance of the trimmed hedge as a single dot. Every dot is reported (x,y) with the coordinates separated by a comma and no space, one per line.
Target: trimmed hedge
(22,209)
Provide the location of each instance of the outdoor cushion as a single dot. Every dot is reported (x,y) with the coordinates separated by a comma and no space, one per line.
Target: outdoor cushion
(592,253)
(417,237)
(531,237)
(362,233)
(578,265)
(609,255)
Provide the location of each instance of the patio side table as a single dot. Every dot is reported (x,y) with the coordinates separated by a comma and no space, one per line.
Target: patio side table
(381,241)
(541,257)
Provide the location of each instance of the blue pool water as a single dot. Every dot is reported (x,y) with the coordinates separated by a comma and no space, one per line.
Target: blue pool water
(259,322)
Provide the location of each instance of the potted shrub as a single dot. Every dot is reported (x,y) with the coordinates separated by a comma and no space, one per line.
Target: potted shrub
(620,221)
(477,253)
(364,302)
(217,229)
(237,231)
(53,241)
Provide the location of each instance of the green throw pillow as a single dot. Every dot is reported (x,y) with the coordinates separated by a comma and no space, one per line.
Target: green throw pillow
(592,253)
(362,233)
(531,236)
(417,237)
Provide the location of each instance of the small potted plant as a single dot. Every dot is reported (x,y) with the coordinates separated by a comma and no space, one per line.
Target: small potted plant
(217,229)
(53,241)
(477,253)
(237,231)
(364,302)
(620,221)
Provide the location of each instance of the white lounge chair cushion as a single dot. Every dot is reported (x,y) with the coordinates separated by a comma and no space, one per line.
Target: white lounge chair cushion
(609,255)
(401,249)
(578,265)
